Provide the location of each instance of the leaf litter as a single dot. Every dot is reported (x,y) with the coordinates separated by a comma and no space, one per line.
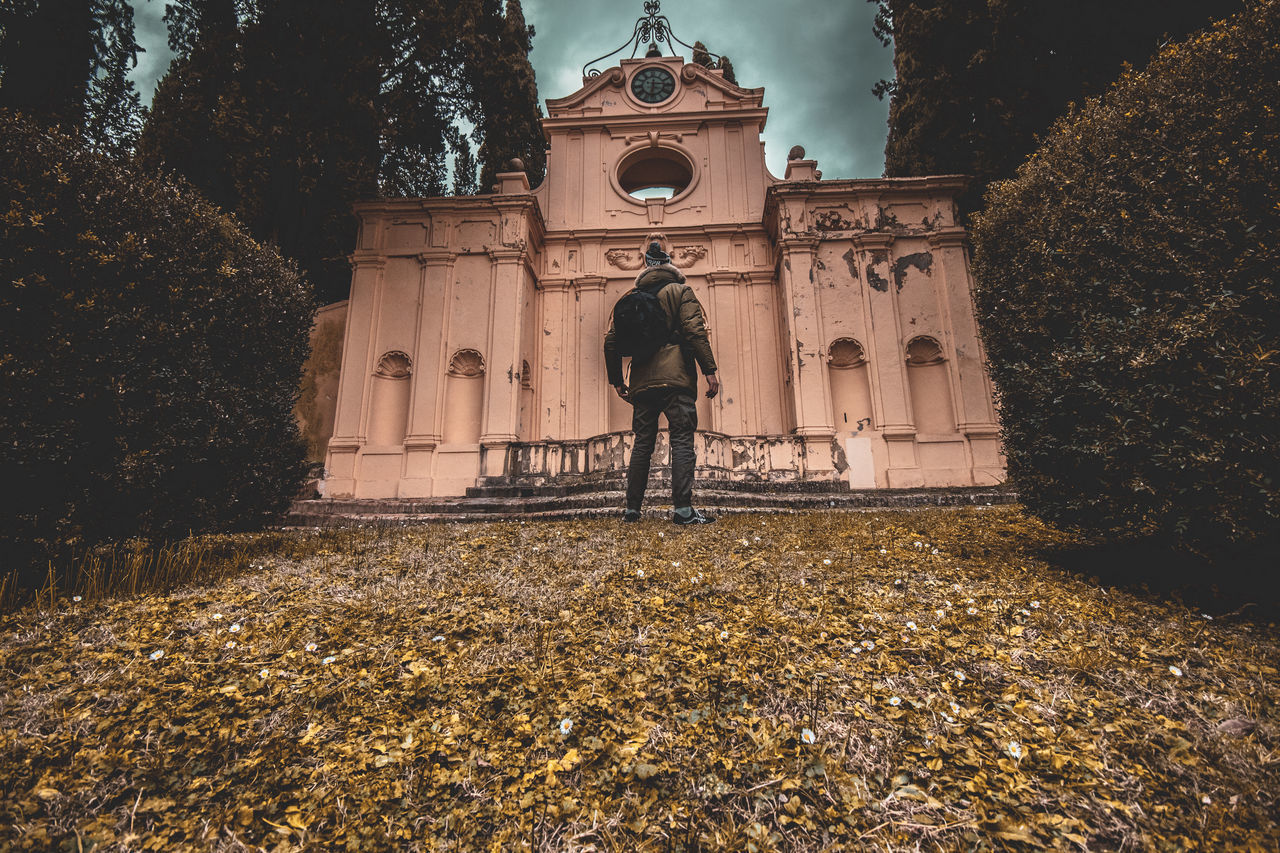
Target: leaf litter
(818,681)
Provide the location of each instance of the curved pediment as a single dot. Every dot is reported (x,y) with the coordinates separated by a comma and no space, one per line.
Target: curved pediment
(618,91)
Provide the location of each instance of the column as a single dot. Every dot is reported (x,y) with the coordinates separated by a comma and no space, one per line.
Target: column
(501,419)
(889,366)
(357,371)
(428,354)
(975,405)
(590,401)
(809,390)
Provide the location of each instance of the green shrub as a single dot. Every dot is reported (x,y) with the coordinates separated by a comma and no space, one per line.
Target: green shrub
(1126,289)
(150,354)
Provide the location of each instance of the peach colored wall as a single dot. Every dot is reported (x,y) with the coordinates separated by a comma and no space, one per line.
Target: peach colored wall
(524,280)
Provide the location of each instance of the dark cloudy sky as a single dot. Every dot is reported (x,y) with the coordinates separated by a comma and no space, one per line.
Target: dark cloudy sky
(817,60)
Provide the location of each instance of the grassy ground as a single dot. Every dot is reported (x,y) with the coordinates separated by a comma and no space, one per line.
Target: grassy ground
(878,681)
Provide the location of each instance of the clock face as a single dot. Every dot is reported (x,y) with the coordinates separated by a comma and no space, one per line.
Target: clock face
(653,85)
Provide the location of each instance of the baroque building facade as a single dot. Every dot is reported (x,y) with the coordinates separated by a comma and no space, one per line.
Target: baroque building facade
(839,310)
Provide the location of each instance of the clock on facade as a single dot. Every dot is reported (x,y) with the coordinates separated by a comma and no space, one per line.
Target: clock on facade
(653,85)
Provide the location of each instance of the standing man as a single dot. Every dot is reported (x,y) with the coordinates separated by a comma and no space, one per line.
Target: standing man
(664,383)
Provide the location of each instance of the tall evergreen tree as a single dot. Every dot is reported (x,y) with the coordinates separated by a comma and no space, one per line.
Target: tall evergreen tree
(978,81)
(285,112)
(65,62)
(506,93)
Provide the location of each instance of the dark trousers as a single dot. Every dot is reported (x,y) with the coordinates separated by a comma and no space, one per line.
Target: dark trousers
(681,410)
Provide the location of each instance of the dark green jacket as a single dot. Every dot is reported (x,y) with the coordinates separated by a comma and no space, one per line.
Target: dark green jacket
(673,365)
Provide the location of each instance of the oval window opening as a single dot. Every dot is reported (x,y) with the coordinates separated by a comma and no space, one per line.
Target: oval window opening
(655,173)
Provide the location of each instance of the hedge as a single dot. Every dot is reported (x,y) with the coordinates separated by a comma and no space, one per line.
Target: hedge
(150,354)
(1126,291)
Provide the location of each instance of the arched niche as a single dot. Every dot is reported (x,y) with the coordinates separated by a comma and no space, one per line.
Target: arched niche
(389,403)
(930,386)
(850,381)
(464,398)
(526,401)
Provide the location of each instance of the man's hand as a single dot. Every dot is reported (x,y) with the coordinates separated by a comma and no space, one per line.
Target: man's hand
(713,385)
(623,392)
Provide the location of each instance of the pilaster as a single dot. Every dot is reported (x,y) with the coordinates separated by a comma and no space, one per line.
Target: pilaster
(359,337)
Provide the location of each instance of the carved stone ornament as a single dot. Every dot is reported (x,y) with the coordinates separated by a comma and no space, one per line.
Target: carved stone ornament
(394,365)
(466,362)
(846,352)
(526,375)
(924,350)
(686,256)
(625,259)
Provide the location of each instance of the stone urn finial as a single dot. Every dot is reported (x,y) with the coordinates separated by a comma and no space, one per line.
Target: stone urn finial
(515,164)
(796,153)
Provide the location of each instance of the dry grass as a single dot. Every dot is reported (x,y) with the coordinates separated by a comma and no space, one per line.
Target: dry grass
(407,688)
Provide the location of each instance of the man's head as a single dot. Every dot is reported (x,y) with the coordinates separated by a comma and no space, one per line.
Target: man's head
(655,255)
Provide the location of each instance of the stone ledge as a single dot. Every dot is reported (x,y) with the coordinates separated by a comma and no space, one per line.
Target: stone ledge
(311,513)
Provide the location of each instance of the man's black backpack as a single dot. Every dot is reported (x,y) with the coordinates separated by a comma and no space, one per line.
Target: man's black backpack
(640,326)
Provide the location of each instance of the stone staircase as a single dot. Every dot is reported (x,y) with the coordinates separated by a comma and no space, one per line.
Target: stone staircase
(604,498)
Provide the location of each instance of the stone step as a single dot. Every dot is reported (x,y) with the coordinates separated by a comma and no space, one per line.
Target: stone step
(658,483)
(312,513)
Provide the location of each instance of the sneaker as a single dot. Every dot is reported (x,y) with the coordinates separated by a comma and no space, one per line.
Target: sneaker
(631,515)
(695,517)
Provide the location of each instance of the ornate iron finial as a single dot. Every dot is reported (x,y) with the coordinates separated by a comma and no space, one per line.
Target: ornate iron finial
(653,28)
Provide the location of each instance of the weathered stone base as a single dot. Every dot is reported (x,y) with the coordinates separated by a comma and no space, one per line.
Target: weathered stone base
(584,500)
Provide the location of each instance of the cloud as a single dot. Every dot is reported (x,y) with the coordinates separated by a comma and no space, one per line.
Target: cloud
(817,60)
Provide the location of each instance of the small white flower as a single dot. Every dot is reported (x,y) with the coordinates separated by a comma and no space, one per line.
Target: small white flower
(438,638)
(1015,749)
(826,562)
(311,647)
(807,736)
(959,675)
(745,542)
(897,581)
(724,635)
(566,726)
(328,660)
(263,673)
(231,644)
(675,564)
(948,603)
(75,598)
(936,551)
(1035,605)
(972,611)
(968,601)
(639,573)
(157,654)
(1204,616)
(911,626)
(661,535)
(895,701)
(948,718)
(755,538)
(802,582)
(955,708)
(868,644)
(1206,799)
(235,629)
(217,617)
(884,550)
(956,587)
(919,544)
(857,650)
(1025,612)
(1175,671)
(942,614)
(535,547)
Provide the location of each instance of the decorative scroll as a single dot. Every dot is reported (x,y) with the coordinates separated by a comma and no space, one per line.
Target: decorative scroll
(686,256)
(653,28)
(624,259)
(394,365)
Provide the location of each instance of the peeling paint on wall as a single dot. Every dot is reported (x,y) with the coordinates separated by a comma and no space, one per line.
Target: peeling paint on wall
(851,260)
(922,261)
(877,281)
